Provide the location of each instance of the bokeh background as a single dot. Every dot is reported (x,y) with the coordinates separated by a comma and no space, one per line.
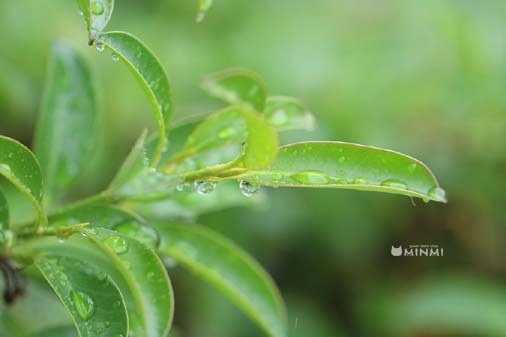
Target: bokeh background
(427,78)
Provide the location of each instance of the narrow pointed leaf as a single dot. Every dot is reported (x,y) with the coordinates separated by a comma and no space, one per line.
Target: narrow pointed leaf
(287,113)
(96,14)
(262,142)
(67,126)
(4,212)
(349,166)
(20,167)
(230,269)
(150,72)
(94,303)
(204,6)
(237,86)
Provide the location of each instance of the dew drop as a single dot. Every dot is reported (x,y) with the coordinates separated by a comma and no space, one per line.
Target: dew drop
(359,181)
(6,169)
(118,244)
(277,176)
(116,304)
(310,177)
(437,193)
(394,183)
(107,324)
(115,57)
(341,159)
(180,187)
(100,47)
(147,235)
(248,189)
(97,7)
(81,13)
(412,167)
(227,133)
(83,303)
(204,187)
(279,118)
(102,276)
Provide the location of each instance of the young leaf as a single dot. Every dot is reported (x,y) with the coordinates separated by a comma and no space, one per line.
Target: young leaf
(287,113)
(94,302)
(230,269)
(97,14)
(348,166)
(150,72)
(4,212)
(237,86)
(204,6)
(67,126)
(20,167)
(262,142)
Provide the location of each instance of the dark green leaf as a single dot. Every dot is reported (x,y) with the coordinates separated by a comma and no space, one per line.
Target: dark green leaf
(97,14)
(150,72)
(63,331)
(67,126)
(20,167)
(230,269)
(348,166)
(237,86)
(287,113)
(94,302)
(4,212)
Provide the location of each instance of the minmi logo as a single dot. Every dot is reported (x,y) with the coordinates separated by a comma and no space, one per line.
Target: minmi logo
(417,250)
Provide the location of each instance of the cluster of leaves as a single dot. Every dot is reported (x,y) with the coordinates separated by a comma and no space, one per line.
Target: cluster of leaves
(103,255)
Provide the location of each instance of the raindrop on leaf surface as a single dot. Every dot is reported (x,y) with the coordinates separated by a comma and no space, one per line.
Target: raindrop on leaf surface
(437,193)
(118,244)
(97,7)
(310,177)
(394,183)
(100,47)
(204,187)
(83,303)
(248,189)
(147,235)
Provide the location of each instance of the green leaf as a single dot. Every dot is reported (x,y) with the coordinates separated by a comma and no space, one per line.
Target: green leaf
(262,143)
(287,113)
(237,86)
(63,331)
(20,167)
(135,268)
(230,269)
(348,166)
(67,126)
(204,6)
(97,14)
(95,303)
(150,72)
(4,212)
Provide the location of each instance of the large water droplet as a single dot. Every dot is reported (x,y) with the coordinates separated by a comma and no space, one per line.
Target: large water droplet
(83,303)
(311,177)
(147,235)
(115,57)
(204,187)
(118,244)
(395,183)
(248,189)
(100,47)
(437,193)
(97,7)
(360,181)
(412,167)
(279,118)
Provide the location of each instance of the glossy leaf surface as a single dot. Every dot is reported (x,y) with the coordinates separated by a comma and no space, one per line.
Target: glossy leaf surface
(97,14)
(4,212)
(152,76)
(349,166)
(94,302)
(287,113)
(204,6)
(230,269)
(67,126)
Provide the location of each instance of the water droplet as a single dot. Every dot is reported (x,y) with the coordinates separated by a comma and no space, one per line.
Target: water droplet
(118,244)
(277,176)
(150,275)
(412,167)
(341,181)
(437,193)
(100,47)
(81,13)
(102,276)
(180,187)
(97,7)
(147,235)
(107,324)
(359,181)
(115,57)
(279,118)
(341,159)
(311,177)
(227,133)
(204,187)
(248,189)
(6,169)
(116,304)
(395,183)
(83,303)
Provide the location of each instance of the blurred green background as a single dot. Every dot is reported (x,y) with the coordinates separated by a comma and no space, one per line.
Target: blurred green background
(427,78)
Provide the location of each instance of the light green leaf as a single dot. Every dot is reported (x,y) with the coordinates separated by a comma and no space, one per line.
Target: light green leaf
(287,113)
(237,86)
(4,212)
(67,126)
(348,166)
(262,143)
(97,14)
(20,167)
(230,269)
(63,331)
(204,6)
(94,303)
(135,268)
(150,72)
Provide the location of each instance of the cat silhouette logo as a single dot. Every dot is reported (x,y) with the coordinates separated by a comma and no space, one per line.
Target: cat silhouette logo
(396,251)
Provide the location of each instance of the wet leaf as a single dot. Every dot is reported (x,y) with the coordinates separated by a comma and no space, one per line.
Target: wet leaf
(67,126)
(64,331)
(287,113)
(4,212)
(348,166)
(204,6)
(230,269)
(96,14)
(90,300)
